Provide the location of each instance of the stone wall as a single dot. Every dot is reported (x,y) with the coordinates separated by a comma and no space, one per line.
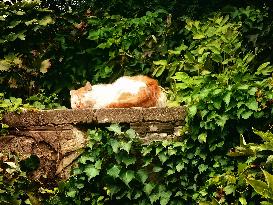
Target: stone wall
(57,137)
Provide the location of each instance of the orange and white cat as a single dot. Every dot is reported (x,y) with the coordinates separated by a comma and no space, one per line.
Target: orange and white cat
(125,92)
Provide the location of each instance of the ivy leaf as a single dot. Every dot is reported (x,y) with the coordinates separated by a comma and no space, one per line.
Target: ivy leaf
(229,189)
(192,110)
(115,128)
(146,150)
(179,167)
(221,121)
(227,98)
(202,167)
(162,157)
(91,171)
(148,188)
(246,114)
(114,144)
(252,104)
(154,197)
(157,169)
(202,137)
(165,197)
(127,177)
(46,20)
(126,146)
(114,171)
(128,160)
(143,176)
(131,133)
(158,150)
(71,193)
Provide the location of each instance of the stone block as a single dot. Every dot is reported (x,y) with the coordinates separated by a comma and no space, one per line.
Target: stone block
(164,114)
(118,115)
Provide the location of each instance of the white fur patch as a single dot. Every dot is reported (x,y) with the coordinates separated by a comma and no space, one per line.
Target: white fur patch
(105,94)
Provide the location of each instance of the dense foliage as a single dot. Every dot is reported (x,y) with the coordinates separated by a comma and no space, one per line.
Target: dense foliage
(214,57)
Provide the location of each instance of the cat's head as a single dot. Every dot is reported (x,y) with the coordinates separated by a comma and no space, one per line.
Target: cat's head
(78,95)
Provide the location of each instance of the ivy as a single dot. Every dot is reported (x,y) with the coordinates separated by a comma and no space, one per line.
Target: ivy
(158,173)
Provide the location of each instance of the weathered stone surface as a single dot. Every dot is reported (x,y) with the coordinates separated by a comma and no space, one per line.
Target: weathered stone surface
(23,145)
(139,127)
(164,114)
(49,118)
(54,118)
(73,141)
(158,127)
(54,148)
(67,161)
(118,115)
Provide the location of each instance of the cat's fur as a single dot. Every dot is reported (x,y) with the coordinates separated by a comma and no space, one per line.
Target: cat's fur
(125,92)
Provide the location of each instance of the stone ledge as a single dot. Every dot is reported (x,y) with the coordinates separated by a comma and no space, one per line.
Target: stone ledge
(54,118)
(57,137)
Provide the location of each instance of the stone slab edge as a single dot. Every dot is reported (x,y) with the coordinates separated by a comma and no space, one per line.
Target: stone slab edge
(52,118)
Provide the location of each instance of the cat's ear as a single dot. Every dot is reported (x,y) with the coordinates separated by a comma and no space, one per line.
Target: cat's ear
(88,86)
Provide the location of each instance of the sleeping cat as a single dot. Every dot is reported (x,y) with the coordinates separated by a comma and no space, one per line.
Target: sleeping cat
(125,92)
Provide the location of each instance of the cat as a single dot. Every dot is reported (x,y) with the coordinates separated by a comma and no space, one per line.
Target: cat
(125,92)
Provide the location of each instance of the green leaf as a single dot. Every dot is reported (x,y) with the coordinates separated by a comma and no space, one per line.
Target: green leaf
(143,176)
(160,62)
(115,128)
(221,121)
(91,171)
(148,188)
(114,171)
(202,168)
(229,189)
(146,150)
(115,145)
(162,157)
(227,98)
(192,110)
(127,177)
(157,169)
(252,91)
(71,193)
(243,87)
(269,180)
(46,20)
(217,58)
(260,187)
(246,114)
(252,104)
(130,133)
(198,36)
(94,35)
(126,146)
(264,69)
(243,201)
(128,160)
(202,137)
(266,136)
(180,166)
(165,197)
